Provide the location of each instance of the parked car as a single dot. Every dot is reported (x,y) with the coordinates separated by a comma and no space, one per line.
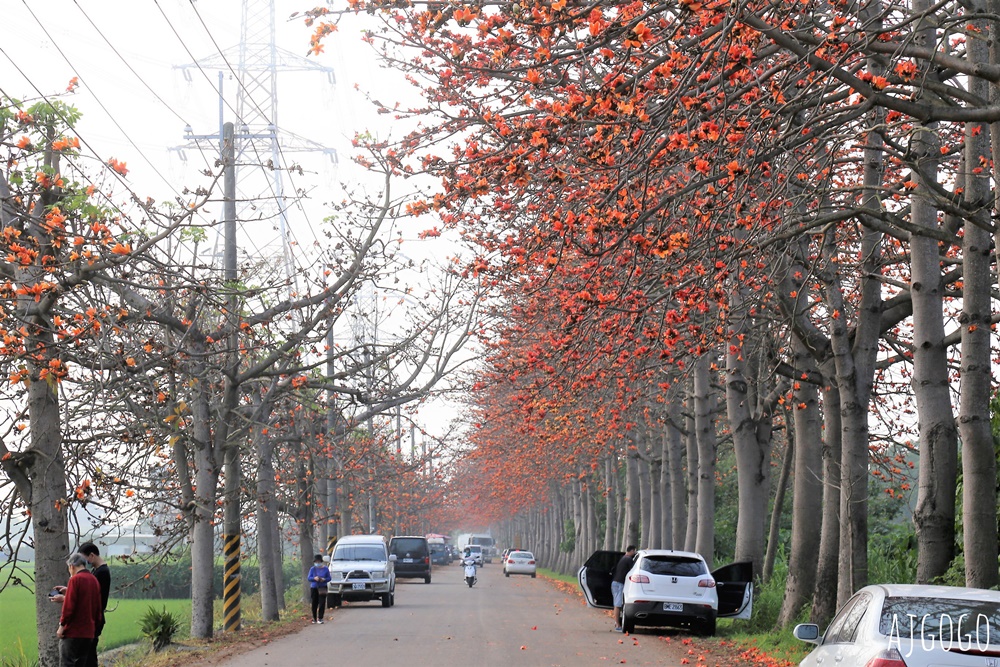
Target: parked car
(896,625)
(362,569)
(519,562)
(439,554)
(476,552)
(670,588)
(413,557)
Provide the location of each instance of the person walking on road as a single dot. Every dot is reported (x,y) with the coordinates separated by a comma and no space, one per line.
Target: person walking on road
(319,578)
(81,612)
(102,573)
(618,583)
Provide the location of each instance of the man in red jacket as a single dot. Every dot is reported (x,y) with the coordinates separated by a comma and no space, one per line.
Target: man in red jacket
(81,612)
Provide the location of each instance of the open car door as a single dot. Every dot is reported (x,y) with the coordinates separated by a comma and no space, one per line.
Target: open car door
(595,578)
(734,584)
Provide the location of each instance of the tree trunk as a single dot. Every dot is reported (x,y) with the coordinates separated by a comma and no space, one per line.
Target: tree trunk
(203,529)
(979,492)
(773,533)
(632,500)
(304,520)
(691,448)
(645,494)
(807,493)
(704,418)
(675,457)
(611,506)
(45,495)
(825,595)
(267,515)
(934,514)
(666,501)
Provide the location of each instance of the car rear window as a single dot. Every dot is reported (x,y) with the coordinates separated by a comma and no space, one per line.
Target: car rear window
(358,552)
(521,554)
(408,545)
(942,619)
(677,566)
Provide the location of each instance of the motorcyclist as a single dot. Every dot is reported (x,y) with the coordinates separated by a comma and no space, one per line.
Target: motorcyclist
(470,567)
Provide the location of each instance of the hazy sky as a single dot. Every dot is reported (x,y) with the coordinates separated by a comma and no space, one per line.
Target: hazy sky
(136,101)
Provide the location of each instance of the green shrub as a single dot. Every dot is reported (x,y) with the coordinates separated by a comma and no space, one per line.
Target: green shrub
(159,627)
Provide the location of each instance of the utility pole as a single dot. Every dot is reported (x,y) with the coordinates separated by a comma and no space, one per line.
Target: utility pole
(232,527)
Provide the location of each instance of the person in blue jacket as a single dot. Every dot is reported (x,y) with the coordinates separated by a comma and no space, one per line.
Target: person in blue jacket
(319,577)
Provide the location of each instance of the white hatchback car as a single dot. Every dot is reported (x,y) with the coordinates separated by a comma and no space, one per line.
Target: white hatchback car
(897,625)
(519,562)
(670,588)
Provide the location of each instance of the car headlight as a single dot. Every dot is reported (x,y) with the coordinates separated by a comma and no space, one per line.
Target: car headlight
(377,574)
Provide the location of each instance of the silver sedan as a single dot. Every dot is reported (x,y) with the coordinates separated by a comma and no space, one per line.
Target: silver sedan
(519,562)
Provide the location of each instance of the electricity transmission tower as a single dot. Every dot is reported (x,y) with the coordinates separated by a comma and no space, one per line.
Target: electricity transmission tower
(262,146)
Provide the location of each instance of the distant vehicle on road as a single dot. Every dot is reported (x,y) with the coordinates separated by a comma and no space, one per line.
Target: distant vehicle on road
(413,557)
(670,588)
(475,552)
(439,554)
(485,541)
(361,569)
(519,562)
(896,625)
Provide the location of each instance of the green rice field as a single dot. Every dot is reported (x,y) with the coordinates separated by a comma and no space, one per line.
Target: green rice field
(18,634)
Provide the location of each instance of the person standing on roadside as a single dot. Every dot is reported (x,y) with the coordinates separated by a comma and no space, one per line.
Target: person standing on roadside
(102,572)
(618,583)
(319,578)
(81,612)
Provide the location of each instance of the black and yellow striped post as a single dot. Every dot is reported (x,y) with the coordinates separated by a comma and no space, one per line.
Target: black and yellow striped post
(330,544)
(231,585)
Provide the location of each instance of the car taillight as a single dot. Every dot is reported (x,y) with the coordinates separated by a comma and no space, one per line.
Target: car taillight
(639,579)
(510,561)
(887,658)
(427,560)
(706,583)
(531,562)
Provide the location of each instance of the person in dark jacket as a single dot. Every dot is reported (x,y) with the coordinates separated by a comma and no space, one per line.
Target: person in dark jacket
(319,578)
(618,583)
(81,612)
(100,570)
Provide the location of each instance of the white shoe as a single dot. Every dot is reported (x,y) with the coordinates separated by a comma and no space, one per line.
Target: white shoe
(320,622)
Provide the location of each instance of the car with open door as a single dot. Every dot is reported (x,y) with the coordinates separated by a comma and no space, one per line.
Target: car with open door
(670,588)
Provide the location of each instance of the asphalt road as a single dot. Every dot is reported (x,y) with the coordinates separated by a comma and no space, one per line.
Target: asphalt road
(501,621)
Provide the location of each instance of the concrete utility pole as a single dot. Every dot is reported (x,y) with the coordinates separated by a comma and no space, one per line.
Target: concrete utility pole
(232,527)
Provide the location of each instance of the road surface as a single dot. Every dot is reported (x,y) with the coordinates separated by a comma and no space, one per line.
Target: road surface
(500,622)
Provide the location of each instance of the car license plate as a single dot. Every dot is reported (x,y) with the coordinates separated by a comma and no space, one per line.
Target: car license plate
(673,606)
(358,587)
(407,560)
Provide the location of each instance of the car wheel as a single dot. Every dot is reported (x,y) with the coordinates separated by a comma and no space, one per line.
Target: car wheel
(333,600)
(532,575)
(628,623)
(708,629)
(506,573)
(387,599)
(427,579)
(392,598)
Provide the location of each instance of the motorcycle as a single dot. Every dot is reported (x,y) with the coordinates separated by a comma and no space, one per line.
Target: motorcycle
(470,572)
